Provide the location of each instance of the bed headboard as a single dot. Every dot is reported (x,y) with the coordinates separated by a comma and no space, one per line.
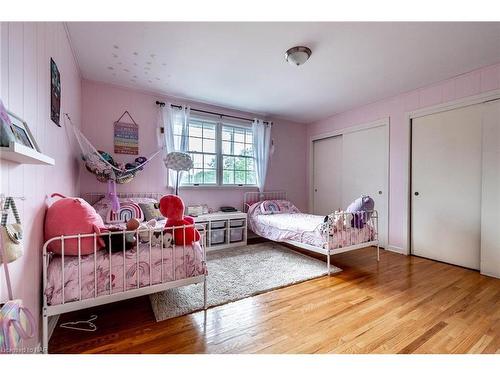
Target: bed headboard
(94,197)
(252,197)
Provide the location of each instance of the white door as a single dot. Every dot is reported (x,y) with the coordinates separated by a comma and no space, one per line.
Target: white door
(446,186)
(365,161)
(327,175)
(490,196)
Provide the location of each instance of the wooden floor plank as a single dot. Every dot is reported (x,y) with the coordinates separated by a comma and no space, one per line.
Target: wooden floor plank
(403,304)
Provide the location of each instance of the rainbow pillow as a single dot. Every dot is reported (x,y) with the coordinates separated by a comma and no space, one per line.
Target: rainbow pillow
(127,211)
(278,206)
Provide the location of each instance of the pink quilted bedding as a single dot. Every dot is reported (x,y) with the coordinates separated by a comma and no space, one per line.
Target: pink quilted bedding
(292,225)
(167,265)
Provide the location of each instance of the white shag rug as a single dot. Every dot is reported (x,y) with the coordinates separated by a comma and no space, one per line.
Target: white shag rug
(234,274)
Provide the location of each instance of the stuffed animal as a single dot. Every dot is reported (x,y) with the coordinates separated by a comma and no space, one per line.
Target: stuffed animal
(338,221)
(172,207)
(156,239)
(145,229)
(147,233)
(361,209)
(133,224)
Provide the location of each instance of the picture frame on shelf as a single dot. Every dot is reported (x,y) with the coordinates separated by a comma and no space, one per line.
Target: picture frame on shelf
(21,132)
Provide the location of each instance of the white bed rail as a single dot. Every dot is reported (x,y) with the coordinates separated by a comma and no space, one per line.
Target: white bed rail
(350,226)
(345,231)
(124,290)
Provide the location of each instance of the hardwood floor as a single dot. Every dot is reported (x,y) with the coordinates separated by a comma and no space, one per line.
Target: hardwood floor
(403,304)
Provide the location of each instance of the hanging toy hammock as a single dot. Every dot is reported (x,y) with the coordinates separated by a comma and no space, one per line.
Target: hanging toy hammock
(103,166)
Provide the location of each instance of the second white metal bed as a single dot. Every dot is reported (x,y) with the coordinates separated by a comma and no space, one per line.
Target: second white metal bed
(350,237)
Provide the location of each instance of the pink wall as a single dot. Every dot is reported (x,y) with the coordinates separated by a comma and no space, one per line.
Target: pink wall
(102,106)
(26,49)
(396,108)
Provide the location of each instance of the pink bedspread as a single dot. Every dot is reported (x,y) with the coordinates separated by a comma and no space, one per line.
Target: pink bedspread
(304,228)
(177,264)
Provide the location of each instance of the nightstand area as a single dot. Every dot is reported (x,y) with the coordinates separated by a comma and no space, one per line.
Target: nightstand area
(224,229)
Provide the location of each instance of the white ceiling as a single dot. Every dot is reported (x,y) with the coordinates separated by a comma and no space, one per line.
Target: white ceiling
(242,66)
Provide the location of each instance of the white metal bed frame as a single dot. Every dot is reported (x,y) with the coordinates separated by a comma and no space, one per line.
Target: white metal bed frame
(371,218)
(126,293)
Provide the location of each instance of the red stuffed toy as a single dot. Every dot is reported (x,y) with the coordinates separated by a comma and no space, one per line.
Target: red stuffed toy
(172,207)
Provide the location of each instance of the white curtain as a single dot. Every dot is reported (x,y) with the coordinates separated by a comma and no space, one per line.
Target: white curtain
(174,122)
(261,150)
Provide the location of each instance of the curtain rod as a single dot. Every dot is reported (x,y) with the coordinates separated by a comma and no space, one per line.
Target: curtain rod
(162,104)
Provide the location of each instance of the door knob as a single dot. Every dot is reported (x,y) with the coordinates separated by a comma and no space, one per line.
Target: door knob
(380,192)
(416,193)
(315,190)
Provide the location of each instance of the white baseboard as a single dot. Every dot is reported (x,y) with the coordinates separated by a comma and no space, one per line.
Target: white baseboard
(396,249)
(490,274)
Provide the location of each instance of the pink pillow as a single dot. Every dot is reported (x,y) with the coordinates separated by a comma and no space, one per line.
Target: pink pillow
(69,216)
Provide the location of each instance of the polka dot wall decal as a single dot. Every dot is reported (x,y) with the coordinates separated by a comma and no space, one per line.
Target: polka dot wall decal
(148,62)
(119,63)
(136,54)
(152,55)
(115,55)
(110,68)
(115,46)
(157,78)
(164,64)
(126,70)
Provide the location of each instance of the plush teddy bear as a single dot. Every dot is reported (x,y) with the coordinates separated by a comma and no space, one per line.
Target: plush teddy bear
(172,207)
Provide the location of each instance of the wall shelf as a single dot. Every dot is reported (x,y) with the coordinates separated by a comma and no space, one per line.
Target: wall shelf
(21,154)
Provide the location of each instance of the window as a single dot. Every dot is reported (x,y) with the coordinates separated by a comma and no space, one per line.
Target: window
(222,154)
(237,156)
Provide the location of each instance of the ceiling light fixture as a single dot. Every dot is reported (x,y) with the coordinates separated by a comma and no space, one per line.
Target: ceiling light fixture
(297,55)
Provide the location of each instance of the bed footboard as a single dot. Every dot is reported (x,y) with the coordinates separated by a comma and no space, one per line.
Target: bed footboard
(346,231)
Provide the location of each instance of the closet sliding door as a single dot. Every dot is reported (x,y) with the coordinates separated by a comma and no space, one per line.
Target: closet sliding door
(327,175)
(490,199)
(446,186)
(365,164)
(350,165)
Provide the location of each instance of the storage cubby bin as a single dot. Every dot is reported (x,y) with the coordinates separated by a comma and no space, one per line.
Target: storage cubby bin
(217,237)
(236,223)
(218,224)
(236,235)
